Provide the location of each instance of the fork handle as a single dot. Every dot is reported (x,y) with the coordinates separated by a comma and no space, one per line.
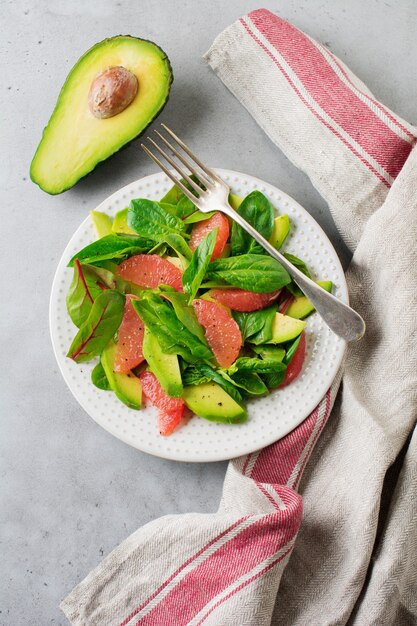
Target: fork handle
(340,317)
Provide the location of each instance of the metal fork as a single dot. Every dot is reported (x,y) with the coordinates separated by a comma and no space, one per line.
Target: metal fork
(341,318)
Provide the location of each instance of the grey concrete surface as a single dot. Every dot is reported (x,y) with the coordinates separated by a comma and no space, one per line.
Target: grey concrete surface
(69,491)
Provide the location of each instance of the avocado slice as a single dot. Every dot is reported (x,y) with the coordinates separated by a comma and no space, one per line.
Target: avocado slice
(235,201)
(280,231)
(102,223)
(120,223)
(301,305)
(165,366)
(78,137)
(127,387)
(285,328)
(210,401)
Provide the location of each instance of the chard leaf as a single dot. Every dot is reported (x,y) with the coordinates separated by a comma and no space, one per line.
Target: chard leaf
(198,216)
(292,287)
(112,247)
(151,220)
(185,312)
(159,316)
(257,210)
(203,373)
(81,295)
(99,378)
(256,326)
(254,272)
(95,333)
(194,274)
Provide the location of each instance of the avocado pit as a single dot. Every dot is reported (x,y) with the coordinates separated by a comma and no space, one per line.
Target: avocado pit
(112,91)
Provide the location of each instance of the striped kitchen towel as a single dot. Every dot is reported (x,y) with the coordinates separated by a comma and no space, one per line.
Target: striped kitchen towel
(352,559)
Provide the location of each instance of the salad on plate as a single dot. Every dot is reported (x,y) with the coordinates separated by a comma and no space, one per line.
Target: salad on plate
(185,310)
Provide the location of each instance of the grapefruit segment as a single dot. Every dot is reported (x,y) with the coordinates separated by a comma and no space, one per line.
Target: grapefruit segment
(242,300)
(202,229)
(170,410)
(222,332)
(150,270)
(129,345)
(296,364)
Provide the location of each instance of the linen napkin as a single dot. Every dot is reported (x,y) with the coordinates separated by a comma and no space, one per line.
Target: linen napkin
(350,562)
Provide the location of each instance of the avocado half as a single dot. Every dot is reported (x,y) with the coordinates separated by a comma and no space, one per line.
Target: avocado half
(75,140)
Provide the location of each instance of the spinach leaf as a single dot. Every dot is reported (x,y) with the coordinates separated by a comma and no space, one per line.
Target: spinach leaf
(194,274)
(203,373)
(256,326)
(178,243)
(95,333)
(269,352)
(254,272)
(152,221)
(293,288)
(99,378)
(260,366)
(173,336)
(250,382)
(172,195)
(174,209)
(257,210)
(198,216)
(274,380)
(184,311)
(291,350)
(117,247)
(187,207)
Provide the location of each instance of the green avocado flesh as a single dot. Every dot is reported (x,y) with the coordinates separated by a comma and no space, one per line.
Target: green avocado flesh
(75,141)
(210,401)
(102,223)
(285,328)
(127,387)
(165,366)
(301,306)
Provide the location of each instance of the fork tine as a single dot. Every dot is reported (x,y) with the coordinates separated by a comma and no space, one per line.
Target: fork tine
(176,167)
(170,175)
(186,149)
(202,178)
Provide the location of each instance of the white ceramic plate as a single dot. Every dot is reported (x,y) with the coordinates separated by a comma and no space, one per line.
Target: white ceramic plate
(270,418)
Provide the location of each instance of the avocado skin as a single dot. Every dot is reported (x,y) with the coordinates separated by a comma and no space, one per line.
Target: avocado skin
(124,145)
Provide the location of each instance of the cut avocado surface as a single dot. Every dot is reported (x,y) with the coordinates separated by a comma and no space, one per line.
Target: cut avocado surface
(285,328)
(120,223)
(280,231)
(210,401)
(165,366)
(102,223)
(127,387)
(235,201)
(76,140)
(301,305)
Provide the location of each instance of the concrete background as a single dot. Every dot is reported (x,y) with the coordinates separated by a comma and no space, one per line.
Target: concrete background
(69,491)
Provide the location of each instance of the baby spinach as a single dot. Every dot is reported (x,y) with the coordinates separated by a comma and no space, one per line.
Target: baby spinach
(194,274)
(117,247)
(260,366)
(151,220)
(254,272)
(256,327)
(293,288)
(273,380)
(198,216)
(250,382)
(200,373)
(179,245)
(292,350)
(95,333)
(184,311)
(173,336)
(99,378)
(257,210)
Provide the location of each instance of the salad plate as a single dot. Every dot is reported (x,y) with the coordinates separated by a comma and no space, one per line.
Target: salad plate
(270,417)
